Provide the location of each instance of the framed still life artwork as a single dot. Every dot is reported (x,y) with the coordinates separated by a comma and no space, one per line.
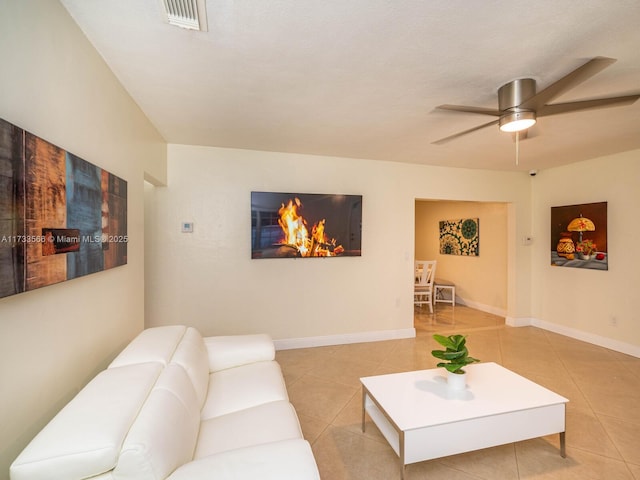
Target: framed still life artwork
(579,236)
(460,237)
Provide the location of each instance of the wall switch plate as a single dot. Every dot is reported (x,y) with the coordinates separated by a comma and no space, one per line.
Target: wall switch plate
(187,227)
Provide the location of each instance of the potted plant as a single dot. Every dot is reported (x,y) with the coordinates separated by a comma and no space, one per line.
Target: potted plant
(456,357)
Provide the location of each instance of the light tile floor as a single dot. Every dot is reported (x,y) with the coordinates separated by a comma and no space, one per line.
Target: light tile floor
(603,416)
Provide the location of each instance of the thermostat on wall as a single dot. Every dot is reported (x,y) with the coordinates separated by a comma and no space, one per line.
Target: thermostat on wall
(187,227)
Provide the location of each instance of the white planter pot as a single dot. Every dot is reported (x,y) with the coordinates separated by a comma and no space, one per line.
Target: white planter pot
(456,381)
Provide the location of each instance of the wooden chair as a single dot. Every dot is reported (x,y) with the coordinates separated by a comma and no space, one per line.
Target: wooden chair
(425,274)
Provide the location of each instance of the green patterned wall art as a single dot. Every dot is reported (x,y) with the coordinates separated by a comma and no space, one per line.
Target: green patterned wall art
(460,237)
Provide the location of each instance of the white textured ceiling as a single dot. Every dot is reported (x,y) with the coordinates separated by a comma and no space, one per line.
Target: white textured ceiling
(361,78)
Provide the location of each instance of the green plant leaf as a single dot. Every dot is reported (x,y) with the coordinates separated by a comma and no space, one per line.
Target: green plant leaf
(456,352)
(452,367)
(448,355)
(444,341)
(438,354)
(458,341)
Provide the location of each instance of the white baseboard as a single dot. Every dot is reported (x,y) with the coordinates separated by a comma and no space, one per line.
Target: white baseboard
(345,338)
(481,306)
(592,338)
(377,336)
(519,322)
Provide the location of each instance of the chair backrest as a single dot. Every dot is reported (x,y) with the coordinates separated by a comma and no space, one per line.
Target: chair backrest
(425,272)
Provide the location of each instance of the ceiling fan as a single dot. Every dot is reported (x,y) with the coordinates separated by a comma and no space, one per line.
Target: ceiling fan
(519,105)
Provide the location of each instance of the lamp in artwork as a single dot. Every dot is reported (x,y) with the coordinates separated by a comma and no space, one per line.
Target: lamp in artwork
(585,248)
(581,224)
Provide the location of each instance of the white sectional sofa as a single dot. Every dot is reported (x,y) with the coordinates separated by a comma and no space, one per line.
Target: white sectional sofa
(174,405)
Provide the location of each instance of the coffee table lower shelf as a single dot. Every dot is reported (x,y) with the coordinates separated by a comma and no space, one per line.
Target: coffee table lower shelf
(422,442)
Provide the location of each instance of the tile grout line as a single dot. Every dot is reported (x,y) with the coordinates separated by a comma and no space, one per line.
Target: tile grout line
(589,403)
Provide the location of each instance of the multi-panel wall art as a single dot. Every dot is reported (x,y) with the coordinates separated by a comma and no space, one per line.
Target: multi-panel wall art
(296,225)
(60,216)
(460,237)
(579,236)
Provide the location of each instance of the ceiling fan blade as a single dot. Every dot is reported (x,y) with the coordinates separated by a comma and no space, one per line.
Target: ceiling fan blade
(586,105)
(463,108)
(576,77)
(459,134)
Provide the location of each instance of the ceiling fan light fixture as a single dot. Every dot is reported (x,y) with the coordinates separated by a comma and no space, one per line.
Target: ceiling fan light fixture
(517,121)
(519,103)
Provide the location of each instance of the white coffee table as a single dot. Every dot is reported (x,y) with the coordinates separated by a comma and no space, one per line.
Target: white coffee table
(422,418)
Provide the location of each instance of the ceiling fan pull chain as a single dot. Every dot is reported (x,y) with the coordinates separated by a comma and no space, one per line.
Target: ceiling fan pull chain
(517,147)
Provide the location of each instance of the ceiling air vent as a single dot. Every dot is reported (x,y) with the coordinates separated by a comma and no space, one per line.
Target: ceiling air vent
(189,14)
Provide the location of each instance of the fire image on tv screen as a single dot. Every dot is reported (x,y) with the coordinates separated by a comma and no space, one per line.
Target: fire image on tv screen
(292,225)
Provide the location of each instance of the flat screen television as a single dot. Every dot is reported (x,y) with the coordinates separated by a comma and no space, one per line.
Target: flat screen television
(304,225)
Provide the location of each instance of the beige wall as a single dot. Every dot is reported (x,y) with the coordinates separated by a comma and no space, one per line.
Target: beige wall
(587,303)
(208,279)
(54,339)
(481,282)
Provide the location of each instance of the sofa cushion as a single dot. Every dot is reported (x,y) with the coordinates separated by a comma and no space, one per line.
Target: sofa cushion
(191,355)
(85,437)
(163,436)
(235,350)
(152,345)
(266,423)
(243,387)
(285,460)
